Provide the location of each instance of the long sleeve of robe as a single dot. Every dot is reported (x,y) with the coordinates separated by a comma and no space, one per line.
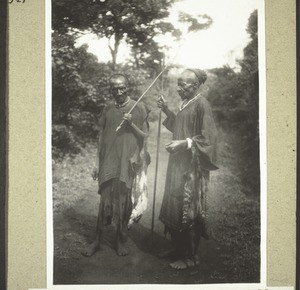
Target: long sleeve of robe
(196,122)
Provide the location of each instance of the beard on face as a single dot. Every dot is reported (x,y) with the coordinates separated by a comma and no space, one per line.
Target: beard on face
(187,93)
(120,98)
(182,95)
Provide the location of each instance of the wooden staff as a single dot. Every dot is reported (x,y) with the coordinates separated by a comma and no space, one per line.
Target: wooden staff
(156,172)
(157,161)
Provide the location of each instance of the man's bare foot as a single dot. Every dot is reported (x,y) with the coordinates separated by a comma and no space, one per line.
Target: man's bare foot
(185,263)
(168,254)
(122,250)
(91,249)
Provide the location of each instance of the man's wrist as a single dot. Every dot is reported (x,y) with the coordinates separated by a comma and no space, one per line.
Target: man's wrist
(189,143)
(130,124)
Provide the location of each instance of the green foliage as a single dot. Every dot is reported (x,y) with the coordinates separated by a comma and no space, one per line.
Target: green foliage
(76,98)
(235,99)
(249,75)
(194,22)
(63,142)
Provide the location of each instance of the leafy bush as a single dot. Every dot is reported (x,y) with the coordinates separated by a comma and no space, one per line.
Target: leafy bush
(235,97)
(77,100)
(63,141)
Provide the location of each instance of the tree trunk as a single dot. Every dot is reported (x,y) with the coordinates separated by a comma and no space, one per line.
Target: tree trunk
(114,51)
(136,59)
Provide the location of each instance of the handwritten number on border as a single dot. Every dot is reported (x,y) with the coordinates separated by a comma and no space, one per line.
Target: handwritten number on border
(17,1)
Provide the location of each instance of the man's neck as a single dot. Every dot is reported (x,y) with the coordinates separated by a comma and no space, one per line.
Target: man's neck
(186,101)
(191,97)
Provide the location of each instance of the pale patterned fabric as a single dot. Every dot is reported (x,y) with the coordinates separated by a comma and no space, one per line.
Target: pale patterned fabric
(194,208)
(139,192)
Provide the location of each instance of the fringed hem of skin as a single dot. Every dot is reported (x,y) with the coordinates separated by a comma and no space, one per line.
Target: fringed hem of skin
(115,205)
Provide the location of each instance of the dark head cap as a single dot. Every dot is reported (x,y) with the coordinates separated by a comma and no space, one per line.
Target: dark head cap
(200,74)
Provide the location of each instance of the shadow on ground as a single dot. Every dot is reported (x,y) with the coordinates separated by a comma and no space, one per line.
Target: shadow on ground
(73,230)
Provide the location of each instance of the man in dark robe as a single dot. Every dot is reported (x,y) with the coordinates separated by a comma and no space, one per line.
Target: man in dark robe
(118,160)
(192,157)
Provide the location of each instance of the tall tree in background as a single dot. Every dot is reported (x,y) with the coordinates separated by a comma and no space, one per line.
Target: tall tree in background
(135,22)
(249,76)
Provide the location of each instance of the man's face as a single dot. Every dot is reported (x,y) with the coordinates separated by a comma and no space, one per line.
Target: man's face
(187,85)
(119,89)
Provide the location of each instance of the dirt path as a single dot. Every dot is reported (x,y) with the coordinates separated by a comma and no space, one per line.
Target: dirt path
(232,255)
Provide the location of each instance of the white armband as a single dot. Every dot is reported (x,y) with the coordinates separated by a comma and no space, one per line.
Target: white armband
(189,143)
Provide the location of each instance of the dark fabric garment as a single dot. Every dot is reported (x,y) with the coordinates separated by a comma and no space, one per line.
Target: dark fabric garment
(119,151)
(115,204)
(195,121)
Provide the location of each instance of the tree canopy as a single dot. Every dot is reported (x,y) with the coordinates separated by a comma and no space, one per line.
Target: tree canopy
(133,21)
